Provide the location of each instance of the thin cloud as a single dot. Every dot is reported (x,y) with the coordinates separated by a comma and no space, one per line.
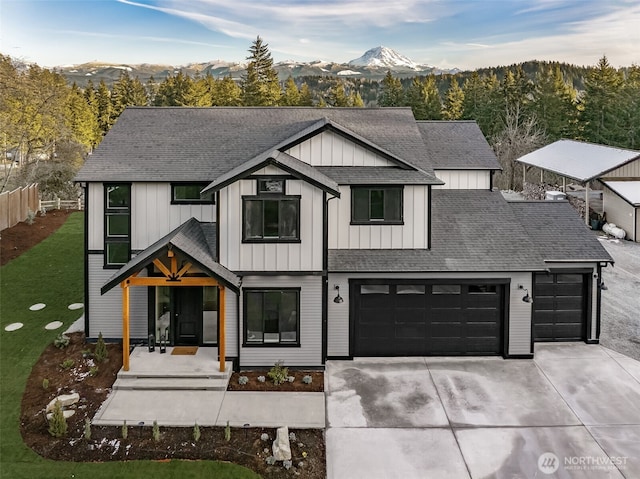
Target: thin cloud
(171,40)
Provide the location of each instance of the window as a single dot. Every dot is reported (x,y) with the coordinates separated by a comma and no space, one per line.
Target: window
(117,224)
(270,185)
(270,219)
(271,317)
(188,193)
(374,289)
(376,205)
(445,289)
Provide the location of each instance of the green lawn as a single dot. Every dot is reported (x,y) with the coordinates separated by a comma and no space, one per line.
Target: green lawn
(52,273)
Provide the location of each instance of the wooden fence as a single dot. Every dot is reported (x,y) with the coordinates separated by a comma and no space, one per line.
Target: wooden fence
(15,205)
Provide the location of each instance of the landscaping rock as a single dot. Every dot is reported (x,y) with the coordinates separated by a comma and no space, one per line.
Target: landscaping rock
(67,414)
(281,446)
(65,400)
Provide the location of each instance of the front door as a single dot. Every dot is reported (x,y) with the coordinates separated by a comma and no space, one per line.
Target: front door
(187,316)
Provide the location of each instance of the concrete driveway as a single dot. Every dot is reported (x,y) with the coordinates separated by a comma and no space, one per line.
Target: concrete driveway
(574,411)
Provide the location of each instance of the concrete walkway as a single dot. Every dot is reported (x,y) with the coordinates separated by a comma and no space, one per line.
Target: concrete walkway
(573,411)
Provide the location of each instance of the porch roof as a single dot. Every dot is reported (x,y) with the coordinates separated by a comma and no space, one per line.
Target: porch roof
(195,240)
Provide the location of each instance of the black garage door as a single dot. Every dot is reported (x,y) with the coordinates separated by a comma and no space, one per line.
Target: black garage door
(426,318)
(560,306)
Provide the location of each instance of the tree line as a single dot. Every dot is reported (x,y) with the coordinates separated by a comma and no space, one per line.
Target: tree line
(519,108)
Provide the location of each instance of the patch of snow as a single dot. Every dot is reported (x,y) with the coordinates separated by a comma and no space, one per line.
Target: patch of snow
(348,72)
(384,57)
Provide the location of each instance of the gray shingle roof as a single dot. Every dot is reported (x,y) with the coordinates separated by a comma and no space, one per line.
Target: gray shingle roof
(457,145)
(363,175)
(472,230)
(196,240)
(196,144)
(558,232)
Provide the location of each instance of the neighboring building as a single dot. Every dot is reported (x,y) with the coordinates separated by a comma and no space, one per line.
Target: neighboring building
(618,170)
(301,234)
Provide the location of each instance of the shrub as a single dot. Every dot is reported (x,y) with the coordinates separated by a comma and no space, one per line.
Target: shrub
(87,429)
(156,431)
(61,341)
(93,371)
(270,460)
(67,364)
(291,378)
(31,217)
(292,436)
(100,351)
(45,383)
(196,432)
(125,430)
(242,380)
(278,373)
(261,379)
(57,423)
(307,379)
(287,464)
(227,432)
(264,437)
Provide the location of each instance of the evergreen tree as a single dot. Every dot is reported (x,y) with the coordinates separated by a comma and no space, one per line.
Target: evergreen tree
(601,105)
(227,93)
(103,103)
(424,99)
(392,93)
(453,102)
(555,104)
(81,122)
(630,109)
(199,92)
(306,99)
(174,90)
(260,85)
(291,95)
(337,96)
(126,92)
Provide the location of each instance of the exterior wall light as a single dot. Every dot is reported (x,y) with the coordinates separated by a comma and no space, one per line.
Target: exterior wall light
(526,298)
(338,298)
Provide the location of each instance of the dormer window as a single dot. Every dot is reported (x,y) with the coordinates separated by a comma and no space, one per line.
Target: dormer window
(376,205)
(271,216)
(188,193)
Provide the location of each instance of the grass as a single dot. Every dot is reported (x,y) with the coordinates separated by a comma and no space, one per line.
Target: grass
(52,273)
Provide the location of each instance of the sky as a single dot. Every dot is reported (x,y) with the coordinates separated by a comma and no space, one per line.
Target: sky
(465,34)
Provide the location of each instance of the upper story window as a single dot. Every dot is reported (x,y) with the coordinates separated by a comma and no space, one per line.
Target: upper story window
(117,224)
(376,204)
(188,193)
(271,216)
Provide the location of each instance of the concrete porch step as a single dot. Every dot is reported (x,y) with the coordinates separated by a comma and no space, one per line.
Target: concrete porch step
(176,374)
(167,383)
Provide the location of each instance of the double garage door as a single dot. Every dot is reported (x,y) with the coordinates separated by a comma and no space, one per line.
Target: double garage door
(396,318)
(560,306)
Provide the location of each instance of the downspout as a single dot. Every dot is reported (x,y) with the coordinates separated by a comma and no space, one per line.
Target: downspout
(598,302)
(325,273)
(86,259)
(429,218)
(236,367)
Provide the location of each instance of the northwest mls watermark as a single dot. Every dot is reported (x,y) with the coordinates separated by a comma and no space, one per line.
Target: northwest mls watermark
(548,463)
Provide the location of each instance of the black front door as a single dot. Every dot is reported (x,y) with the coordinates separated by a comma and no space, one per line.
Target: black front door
(187,316)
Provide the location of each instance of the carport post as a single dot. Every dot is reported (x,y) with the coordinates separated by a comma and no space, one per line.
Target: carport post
(524,174)
(586,199)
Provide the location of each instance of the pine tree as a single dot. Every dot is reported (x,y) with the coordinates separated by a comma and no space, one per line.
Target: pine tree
(104,107)
(424,99)
(226,93)
(453,106)
(630,111)
(337,96)
(392,93)
(306,99)
(555,104)
(260,85)
(291,95)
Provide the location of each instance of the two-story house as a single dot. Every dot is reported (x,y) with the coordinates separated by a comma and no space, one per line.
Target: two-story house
(301,234)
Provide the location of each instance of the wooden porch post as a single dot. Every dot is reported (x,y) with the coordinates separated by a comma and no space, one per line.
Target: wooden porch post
(125,325)
(221,325)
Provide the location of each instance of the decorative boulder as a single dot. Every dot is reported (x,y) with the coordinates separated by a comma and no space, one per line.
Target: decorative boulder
(67,414)
(281,446)
(65,400)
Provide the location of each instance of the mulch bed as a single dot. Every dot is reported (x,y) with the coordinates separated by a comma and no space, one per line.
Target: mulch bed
(253,384)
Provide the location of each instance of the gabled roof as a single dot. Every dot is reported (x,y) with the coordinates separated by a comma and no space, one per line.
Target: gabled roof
(195,240)
(558,233)
(627,190)
(196,144)
(453,145)
(472,230)
(288,163)
(579,160)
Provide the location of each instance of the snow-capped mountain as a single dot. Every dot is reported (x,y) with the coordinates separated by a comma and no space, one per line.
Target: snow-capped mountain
(384,57)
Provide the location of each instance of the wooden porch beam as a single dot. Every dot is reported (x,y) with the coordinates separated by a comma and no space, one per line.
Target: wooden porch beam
(184,270)
(125,325)
(221,326)
(184,281)
(163,269)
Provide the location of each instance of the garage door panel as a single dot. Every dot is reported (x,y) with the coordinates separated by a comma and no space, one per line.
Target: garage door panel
(410,331)
(568,290)
(477,330)
(575,278)
(569,303)
(544,303)
(482,345)
(372,330)
(568,331)
(477,301)
(546,290)
(482,315)
(379,316)
(568,317)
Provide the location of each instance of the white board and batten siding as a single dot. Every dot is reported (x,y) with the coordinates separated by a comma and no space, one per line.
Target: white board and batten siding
(152,214)
(464,179)
(630,170)
(310,351)
(412,234)
(303,256)
(519,311)
(331,149)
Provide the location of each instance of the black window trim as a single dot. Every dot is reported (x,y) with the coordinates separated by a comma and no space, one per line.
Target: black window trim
(378,222)
(201,201)
(119,239)
(246,344)
(270,197)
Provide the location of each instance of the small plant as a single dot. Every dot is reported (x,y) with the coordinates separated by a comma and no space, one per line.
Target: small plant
(287,464)
(67,364)
(45,383)
(264,437)
(307,379)
(261,379)
(57,423)
(61,341)
(87,429)
(227,432)
(196,432)
(242,380)
(291,378)
(124,430)
(270,460)
(278,373)
(100,351)
(292,436)
(304,454)
(31,217)
(86,353)
(93,371)
(43,211)
(156,431)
